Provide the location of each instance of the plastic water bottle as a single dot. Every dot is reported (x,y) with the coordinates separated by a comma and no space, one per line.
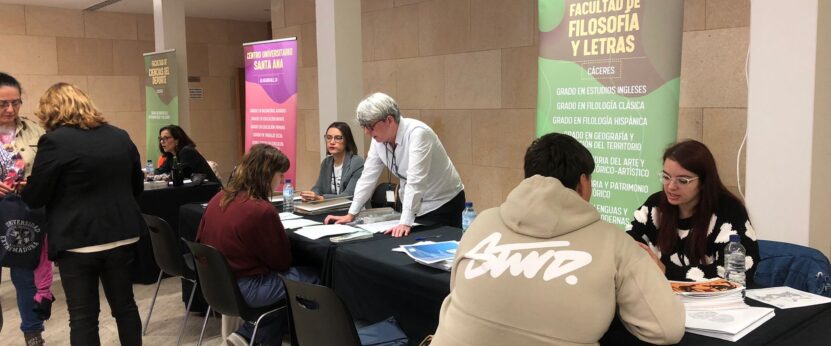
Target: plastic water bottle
(468,215)
(288,197)
(734,254)
(148,171)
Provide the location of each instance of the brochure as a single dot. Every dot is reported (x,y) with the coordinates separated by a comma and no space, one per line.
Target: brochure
(786,297)
(729,325)
(432,253)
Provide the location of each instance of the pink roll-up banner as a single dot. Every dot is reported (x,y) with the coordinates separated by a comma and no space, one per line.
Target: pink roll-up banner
(271,96)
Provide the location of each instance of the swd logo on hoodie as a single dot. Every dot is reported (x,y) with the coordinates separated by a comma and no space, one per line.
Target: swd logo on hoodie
(490,257)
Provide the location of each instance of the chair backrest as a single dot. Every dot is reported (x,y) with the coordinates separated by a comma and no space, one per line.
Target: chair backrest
(219,286)
(796,266)
(166,249)
(320,316)
(379,196)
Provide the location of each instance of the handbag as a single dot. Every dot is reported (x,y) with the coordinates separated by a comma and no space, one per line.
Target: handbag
(21,234)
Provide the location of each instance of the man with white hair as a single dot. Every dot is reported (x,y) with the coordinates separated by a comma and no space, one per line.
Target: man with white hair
(430,192)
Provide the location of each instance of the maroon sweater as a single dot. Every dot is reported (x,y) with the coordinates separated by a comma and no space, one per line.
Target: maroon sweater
(249,233)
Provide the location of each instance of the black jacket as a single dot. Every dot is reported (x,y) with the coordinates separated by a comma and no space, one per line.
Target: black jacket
(88,180)
(192,162)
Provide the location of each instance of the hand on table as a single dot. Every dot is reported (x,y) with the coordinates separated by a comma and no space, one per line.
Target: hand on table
(654,257)
(338,219)
(399,230)
(307,196)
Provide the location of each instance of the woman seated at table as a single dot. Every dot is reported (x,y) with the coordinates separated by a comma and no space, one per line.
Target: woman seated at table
(342,167)
(241,223)
(686,226)
(176,146)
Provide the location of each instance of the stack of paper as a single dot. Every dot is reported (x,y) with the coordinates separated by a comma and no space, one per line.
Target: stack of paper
(320,231)
(298,223)
(322,207)
(380,227)
(711,295)
(729,325)
(438,255)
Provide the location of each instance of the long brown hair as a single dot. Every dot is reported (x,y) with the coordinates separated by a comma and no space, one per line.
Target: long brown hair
(64,104)
(695,157)
(253,176)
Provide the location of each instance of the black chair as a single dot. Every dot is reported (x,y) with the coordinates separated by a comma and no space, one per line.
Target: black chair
(219,286)
(169,257)
(319,316)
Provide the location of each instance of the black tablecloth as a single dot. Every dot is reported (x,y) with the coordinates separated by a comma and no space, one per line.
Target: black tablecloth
(798,326)
(165,204)
(376,282)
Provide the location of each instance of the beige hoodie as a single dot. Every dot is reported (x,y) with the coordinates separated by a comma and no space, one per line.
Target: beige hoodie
(543,269)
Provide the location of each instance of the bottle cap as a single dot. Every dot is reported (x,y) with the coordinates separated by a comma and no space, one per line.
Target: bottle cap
(735,238)
(288,181)
(468,204)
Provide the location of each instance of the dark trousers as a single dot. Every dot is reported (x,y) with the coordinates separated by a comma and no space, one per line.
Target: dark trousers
(449,214)
(80,273)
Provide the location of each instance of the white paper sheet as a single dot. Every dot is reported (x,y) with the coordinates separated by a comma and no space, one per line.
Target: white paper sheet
(289,216)
(725,321)
(297,223)
(380,227)
(786,297)
(320,231)
(728,326)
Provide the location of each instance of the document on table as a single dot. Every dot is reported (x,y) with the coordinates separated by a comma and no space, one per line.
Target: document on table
(380,227)
(320,231)
(400,248)
(298,223)
(786,297)
(289,216)
(729,325)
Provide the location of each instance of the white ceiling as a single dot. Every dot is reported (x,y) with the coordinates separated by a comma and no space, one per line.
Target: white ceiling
(252,10)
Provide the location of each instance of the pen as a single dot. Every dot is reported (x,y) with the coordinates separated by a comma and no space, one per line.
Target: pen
(428,237)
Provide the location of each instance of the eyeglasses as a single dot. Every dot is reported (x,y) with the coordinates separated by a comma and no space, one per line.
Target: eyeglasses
(371,127)
(337,139)
(165,138)
(681,181)
(13,103)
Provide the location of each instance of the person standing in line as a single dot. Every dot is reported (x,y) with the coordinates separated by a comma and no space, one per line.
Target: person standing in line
(431,191)
(19,136)
(88,174)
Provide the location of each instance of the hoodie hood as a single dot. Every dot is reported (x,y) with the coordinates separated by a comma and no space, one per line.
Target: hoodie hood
(542,207)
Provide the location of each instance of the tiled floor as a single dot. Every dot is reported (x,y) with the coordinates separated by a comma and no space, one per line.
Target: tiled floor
(164,325)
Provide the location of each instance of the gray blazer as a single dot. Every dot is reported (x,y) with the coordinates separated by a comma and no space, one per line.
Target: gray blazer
(353,166)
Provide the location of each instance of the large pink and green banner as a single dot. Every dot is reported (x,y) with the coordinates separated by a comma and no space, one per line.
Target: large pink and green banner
(161,97)
(609,76)
(271,96)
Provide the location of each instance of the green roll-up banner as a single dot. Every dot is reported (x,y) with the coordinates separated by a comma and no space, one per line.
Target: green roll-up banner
(162,97)
(609,76)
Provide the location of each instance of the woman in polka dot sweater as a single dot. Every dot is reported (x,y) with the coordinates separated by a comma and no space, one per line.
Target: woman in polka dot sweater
(687,224)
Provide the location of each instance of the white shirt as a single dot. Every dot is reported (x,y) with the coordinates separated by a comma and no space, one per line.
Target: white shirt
(336,179)
(428,178)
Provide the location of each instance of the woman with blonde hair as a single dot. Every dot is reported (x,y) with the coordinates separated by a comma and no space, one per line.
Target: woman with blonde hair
(241,223)
(87,174)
